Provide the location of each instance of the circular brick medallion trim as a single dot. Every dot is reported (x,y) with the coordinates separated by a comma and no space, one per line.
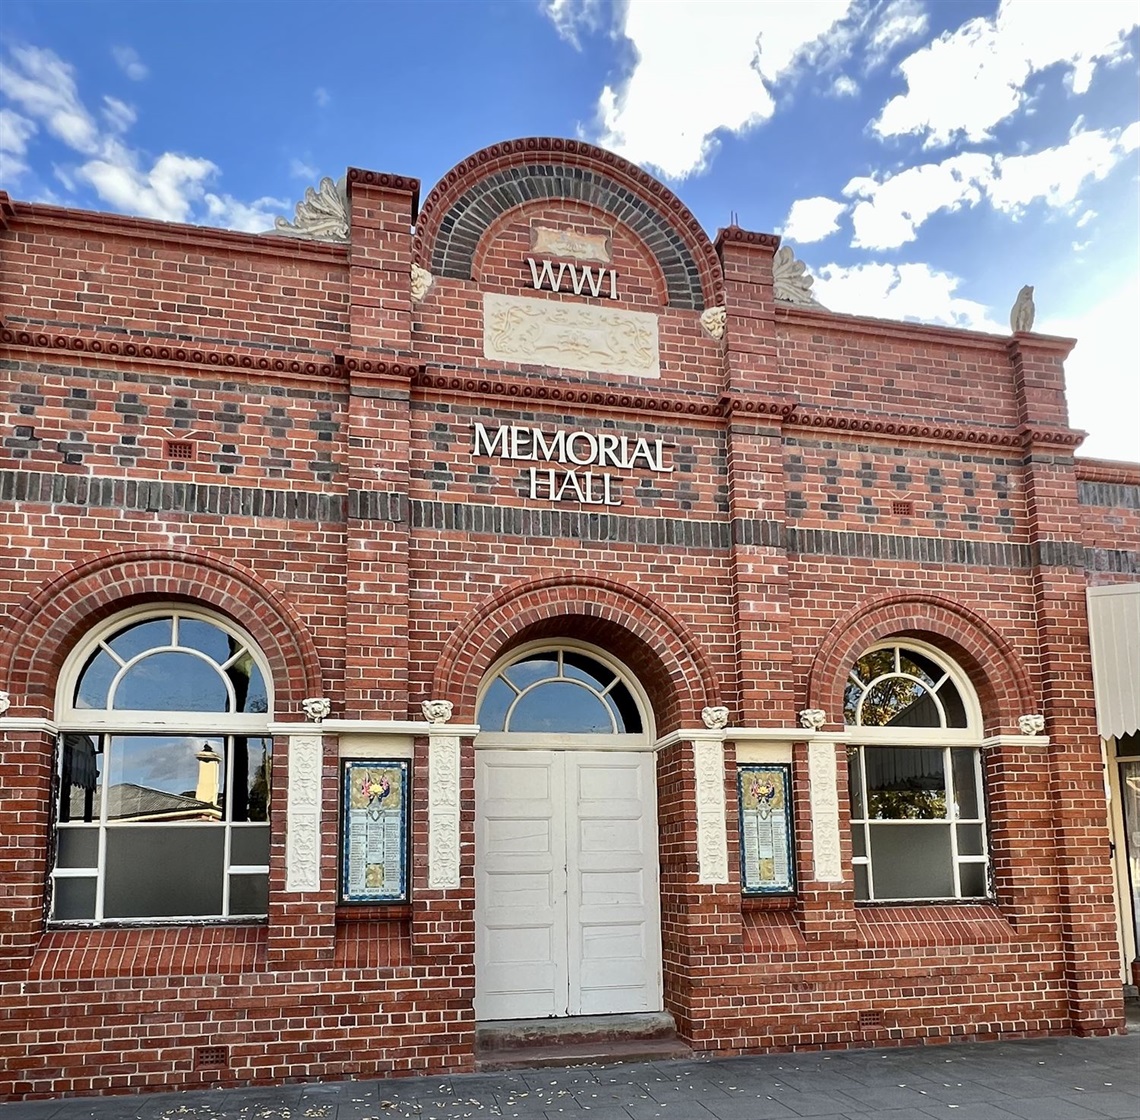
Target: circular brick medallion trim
(994,668)
(475,645)
(44,629)
(485,185)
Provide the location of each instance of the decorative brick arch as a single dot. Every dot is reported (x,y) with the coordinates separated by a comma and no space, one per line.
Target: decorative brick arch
(658,649)
(44,630)
(994,669)
(470,197)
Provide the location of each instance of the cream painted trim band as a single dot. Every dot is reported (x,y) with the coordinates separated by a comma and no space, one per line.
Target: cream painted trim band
(28,723)
(368,727)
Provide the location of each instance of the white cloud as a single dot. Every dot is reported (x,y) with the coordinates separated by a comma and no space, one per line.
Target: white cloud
(893,207)
(299,169)
(900,21)
(322,97)
(118,114)
(843,86)
(43,85)
(704,67)
(915,292)
(812,219)
(225,210)
(967,81)
(166,191)
(15,132)
(573,18)
(127,59)
(1085,218)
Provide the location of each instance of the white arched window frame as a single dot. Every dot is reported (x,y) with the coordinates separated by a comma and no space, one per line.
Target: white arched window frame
(612,739)
(111,835)
(916,791)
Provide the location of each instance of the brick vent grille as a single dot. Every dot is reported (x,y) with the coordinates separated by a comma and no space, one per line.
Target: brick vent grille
(870,1018)
(179,449)
(902,509)
(211,1057)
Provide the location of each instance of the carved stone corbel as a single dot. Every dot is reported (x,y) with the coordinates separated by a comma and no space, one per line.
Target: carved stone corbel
(813,719)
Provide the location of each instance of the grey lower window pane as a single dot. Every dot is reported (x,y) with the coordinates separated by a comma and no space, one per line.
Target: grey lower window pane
(970,840)
(972,876)
(858,841)
(73,899)
(861,891)
(77,847)
(249,896)
(249,845)
(159,871)
(911,861)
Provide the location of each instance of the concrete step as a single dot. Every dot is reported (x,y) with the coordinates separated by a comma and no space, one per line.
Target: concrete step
(579,1040)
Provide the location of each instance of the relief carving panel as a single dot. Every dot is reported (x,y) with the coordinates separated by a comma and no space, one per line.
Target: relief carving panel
(303,815)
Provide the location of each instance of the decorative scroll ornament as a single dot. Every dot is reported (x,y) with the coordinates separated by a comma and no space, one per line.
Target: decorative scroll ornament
(1023,310)
(316,707)
(716,719)
(437,711)
(1031,724)
(813,718)
(322,215)
(5,702)
(790,280)
(421,281)
(713,319)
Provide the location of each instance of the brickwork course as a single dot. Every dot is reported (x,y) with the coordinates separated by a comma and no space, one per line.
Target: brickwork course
(272,430)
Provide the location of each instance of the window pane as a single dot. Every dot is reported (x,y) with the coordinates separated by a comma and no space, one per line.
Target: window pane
(255,697)
(855,783)
(970,840)
(95,680)
(252,772)
(73,899)
(579,667)
(911,861)
(858,841)
(876,664)
(164,872)
(628,718)
(862,893)
(493,710)
(905,783)
(965,784)
(899,702)
(914,663)
(561,706)
(851,696)
(141,636)
(77,846)
(172,682)
(536,667)
(79,787)
(249,896)
(164,778)
(249,846)
(972,876)
(952,702)
(213,641)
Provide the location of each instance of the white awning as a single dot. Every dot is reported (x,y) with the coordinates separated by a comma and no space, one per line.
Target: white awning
(1114,630)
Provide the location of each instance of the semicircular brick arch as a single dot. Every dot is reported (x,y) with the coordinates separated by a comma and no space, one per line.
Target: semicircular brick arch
(657,648)
(994,668)
(45,628)
(486,185)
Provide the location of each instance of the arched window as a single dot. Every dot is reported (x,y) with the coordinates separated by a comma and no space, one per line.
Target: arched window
(164,772)
(559,692)
(917,804)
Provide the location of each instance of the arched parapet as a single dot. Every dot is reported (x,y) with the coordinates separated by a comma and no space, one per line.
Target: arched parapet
(996,672)
(479,190)
(44,629)
(656,647)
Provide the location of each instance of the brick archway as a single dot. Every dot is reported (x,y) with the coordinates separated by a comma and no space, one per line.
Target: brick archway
(664,656)
(43,631)
(994,668)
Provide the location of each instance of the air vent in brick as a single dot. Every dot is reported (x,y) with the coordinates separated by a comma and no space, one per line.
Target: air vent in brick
(870,1018)
(179,449)
(902,509)
(211,1057)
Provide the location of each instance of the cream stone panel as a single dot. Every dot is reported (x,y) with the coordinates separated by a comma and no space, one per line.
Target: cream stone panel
(763,752)
(443,812)
(712,823)
(303,815)
(570,335)
(823,775)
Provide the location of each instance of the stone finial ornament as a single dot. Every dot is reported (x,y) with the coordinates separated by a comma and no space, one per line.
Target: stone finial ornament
(316,707)
(322,215)
(813,719)
(421,281)
(1021,316)
(790,280)
(437,711)
(5,702)
(715,719)
(713,319)
(1031,724)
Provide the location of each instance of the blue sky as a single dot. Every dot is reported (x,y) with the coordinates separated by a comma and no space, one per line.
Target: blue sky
(925,159)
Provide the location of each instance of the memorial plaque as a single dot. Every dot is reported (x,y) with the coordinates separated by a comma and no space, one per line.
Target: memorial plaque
(767,863)
(374,831)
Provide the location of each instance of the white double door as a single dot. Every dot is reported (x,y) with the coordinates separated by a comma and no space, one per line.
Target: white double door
(567,904)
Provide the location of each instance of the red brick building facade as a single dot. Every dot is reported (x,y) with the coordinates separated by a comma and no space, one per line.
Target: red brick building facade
(541,450)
